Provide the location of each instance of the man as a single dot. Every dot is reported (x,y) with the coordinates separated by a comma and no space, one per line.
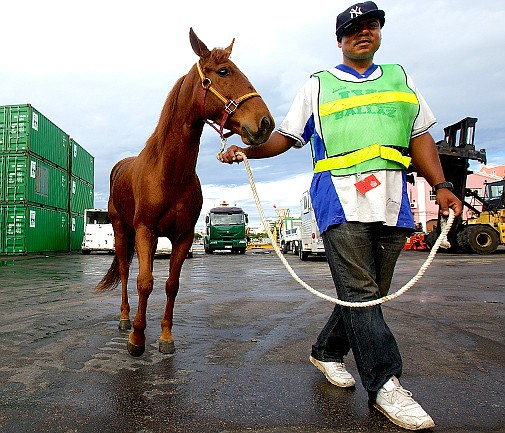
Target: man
(365,123)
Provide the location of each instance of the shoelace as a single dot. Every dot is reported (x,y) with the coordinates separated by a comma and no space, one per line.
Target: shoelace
(338,367)
(401,395)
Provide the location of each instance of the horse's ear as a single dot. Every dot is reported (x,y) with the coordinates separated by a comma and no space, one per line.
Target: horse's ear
(198,46)
(228,50)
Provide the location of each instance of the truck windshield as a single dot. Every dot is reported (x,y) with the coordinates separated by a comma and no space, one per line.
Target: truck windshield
(223,219)
(97,218)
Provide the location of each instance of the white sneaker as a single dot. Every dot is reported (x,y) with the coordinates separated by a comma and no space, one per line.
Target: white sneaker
(335,372)
(398,405)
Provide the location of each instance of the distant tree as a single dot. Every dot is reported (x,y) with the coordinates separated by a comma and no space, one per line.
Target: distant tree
(258,235)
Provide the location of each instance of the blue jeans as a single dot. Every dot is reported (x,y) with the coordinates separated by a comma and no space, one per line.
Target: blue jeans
(362,258)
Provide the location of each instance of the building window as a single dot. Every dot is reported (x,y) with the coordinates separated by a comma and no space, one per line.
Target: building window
(433,195)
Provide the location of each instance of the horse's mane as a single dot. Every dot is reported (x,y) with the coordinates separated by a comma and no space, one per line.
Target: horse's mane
(158,136)
(217,55)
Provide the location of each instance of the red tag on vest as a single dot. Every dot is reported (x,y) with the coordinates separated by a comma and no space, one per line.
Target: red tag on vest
(366,184)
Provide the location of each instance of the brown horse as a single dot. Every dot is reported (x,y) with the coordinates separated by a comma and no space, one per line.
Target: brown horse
(158,192)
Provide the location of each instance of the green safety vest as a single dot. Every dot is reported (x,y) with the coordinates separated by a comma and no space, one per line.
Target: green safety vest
(366,125)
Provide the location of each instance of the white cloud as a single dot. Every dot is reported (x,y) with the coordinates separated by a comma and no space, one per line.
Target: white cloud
(101,71)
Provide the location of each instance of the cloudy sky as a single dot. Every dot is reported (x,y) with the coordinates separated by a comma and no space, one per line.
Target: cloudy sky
(101,71)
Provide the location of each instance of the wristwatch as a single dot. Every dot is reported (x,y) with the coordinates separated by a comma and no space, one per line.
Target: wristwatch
(440,185)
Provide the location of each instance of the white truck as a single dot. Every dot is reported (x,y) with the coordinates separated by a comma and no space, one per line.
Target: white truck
(311,242)
(290,234)
(99,234)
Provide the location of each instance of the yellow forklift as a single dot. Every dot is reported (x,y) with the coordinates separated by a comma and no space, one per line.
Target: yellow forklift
(483,233)
(486,231)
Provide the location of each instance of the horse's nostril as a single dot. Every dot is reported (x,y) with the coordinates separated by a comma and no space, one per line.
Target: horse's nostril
(265,123)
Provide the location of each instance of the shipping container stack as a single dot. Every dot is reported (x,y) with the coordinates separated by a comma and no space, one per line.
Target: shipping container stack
(46,182)
(81,191)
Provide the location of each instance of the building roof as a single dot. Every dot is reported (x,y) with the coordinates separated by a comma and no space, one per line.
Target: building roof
(497,170)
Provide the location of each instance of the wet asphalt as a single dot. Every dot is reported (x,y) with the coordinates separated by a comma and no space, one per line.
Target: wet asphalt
(243,331)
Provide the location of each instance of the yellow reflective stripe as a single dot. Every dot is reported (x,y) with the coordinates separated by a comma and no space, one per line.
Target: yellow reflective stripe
(361,155)
(394,155)
(362,100)
(348,160)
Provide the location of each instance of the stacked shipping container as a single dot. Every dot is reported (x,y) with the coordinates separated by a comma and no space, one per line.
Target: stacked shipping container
(46,182)
(81,191)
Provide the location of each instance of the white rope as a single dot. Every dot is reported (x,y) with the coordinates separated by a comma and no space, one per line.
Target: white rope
(441,239)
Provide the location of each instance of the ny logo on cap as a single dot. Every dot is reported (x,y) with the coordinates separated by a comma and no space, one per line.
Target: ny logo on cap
(355,12)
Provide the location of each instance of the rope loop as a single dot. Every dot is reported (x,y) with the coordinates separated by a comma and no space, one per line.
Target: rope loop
(442,239)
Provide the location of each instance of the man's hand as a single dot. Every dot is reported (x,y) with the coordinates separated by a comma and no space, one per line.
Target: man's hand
(446,199)
(231,155)
(275,145)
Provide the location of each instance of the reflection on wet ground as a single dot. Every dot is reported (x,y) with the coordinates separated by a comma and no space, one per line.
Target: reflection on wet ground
(243,332)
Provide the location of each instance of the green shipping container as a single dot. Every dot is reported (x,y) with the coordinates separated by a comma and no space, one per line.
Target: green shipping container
(28,178)
(81,163)
(24,129)
(76,231)
(32,229)
(81,196)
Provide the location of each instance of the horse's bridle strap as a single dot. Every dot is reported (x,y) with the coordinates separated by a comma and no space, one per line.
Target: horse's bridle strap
(230,105)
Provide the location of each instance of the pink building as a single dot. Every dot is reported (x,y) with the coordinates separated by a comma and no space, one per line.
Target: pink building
(499,171)
(422,198)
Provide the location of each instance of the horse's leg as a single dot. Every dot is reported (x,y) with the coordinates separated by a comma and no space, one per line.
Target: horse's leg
(177,257)
(121,241)
(144,239)
(153,252)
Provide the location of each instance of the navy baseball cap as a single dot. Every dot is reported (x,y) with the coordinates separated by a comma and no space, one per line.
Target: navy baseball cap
(356,13)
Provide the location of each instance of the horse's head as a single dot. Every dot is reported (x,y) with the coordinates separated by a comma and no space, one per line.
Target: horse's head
(234,103)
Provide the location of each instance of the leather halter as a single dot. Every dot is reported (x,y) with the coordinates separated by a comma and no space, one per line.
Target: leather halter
(230,105)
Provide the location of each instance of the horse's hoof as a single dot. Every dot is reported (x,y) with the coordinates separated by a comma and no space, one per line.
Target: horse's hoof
(167,347)
(124,324)
(134,350)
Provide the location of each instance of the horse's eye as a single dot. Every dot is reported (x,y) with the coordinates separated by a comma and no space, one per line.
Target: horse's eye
(223,72)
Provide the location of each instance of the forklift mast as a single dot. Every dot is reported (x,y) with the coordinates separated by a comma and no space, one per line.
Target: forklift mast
(455,151)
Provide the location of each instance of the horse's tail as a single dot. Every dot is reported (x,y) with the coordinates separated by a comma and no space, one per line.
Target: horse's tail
(112,278)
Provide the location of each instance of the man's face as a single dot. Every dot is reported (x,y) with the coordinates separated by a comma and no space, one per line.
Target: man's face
(361,40)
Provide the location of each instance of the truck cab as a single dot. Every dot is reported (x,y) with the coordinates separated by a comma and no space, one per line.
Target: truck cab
(290,234)
(98,231)
(225,229)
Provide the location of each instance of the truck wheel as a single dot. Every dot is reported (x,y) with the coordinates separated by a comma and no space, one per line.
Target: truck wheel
(431,238)
(241,251)
(304,255)
(86,252)
(462,240)
(482,239)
